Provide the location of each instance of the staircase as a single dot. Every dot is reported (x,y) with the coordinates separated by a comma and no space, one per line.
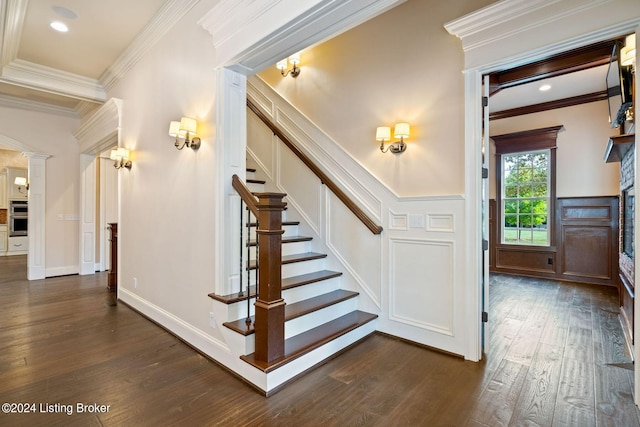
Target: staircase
(320,317)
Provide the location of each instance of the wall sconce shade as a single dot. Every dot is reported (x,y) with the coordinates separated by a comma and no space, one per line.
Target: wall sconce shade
(21,182)
(120,157)
(628,52)
(294,60)
(186,128)
(401,131)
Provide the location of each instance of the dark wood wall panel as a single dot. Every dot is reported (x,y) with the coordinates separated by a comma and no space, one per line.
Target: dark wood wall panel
(585,249)
(525,260)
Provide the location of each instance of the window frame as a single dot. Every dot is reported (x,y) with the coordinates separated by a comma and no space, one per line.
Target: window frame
(547,198)
(523,142)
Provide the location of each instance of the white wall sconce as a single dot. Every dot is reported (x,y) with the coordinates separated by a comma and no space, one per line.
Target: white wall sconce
(401,131)
(294,60)
(185,129)
(120,157)
(22,183)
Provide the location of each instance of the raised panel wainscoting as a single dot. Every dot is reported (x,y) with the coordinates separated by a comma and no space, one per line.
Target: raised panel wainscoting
(585,249)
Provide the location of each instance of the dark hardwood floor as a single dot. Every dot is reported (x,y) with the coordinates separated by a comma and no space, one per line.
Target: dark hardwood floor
(556,357)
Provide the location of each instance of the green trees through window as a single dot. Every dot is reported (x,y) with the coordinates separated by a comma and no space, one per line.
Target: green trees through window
(525,197)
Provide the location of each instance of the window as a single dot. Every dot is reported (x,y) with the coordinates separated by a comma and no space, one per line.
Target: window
(525,198)
(525,173)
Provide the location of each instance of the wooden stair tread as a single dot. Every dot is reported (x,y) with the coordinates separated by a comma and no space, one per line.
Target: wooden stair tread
(255,181)
(254,224)
(251,170)
(289,239)
(308,341)
(287,283)
(290,259)
(295,310)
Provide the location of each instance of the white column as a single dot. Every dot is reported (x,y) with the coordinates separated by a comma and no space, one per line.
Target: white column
(37,187)
(87,214)
(231,146)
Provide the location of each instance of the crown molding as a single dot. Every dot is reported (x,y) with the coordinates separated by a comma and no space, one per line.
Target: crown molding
(102,125)
(250,35)
(476,29)
(47,79)
(12,13)
(168,15)
(41,107)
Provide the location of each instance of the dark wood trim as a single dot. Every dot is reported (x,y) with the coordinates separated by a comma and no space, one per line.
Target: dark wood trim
(245,194)
(617,147)
(528,140)
(551,105)
(269,305)
(350,204)
(112,278)
(567,62)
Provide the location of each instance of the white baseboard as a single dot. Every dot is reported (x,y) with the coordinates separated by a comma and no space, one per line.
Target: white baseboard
(61,271)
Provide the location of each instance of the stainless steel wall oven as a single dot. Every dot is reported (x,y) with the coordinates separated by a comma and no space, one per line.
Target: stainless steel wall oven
(18,218)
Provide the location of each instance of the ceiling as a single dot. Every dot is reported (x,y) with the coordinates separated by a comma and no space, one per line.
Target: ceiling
(46,69)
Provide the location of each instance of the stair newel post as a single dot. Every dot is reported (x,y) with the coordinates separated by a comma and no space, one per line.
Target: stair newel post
(269,305)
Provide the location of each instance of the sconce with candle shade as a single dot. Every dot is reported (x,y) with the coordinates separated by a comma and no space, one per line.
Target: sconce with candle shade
(120,157)
(293,72)
(185,130)
(22,182)
(401,130)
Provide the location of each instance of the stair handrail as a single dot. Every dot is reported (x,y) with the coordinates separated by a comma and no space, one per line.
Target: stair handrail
(350,204)
(245,194)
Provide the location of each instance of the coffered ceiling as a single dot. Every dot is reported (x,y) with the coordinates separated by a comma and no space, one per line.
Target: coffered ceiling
(45,69)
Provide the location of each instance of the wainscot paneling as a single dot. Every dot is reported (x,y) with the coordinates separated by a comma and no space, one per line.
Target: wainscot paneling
(409,274)
(421,283)
(586,244)
(587,236)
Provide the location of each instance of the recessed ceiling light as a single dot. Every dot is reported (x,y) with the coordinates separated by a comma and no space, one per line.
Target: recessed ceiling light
(64,12)
(544,88)
(59,26)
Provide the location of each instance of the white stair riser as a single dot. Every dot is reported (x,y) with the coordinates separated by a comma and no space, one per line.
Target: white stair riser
(303,267)
(300,293)
(309,321)
(289,230)
(301,364)
(250,175)
(291,248)
(255,188)
(289,270)
(238,310)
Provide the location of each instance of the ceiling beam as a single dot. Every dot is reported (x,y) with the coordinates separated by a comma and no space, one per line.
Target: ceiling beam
(568,62)
(551,105)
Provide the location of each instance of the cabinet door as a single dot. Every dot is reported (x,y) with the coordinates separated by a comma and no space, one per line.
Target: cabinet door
(3,190)
(3,240)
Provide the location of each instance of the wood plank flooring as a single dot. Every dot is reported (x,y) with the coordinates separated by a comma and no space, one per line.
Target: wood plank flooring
(554,358)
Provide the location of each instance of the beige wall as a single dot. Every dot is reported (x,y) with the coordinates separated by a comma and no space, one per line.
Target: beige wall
(167,206)
(52,135)
(400,66)
(581,170)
